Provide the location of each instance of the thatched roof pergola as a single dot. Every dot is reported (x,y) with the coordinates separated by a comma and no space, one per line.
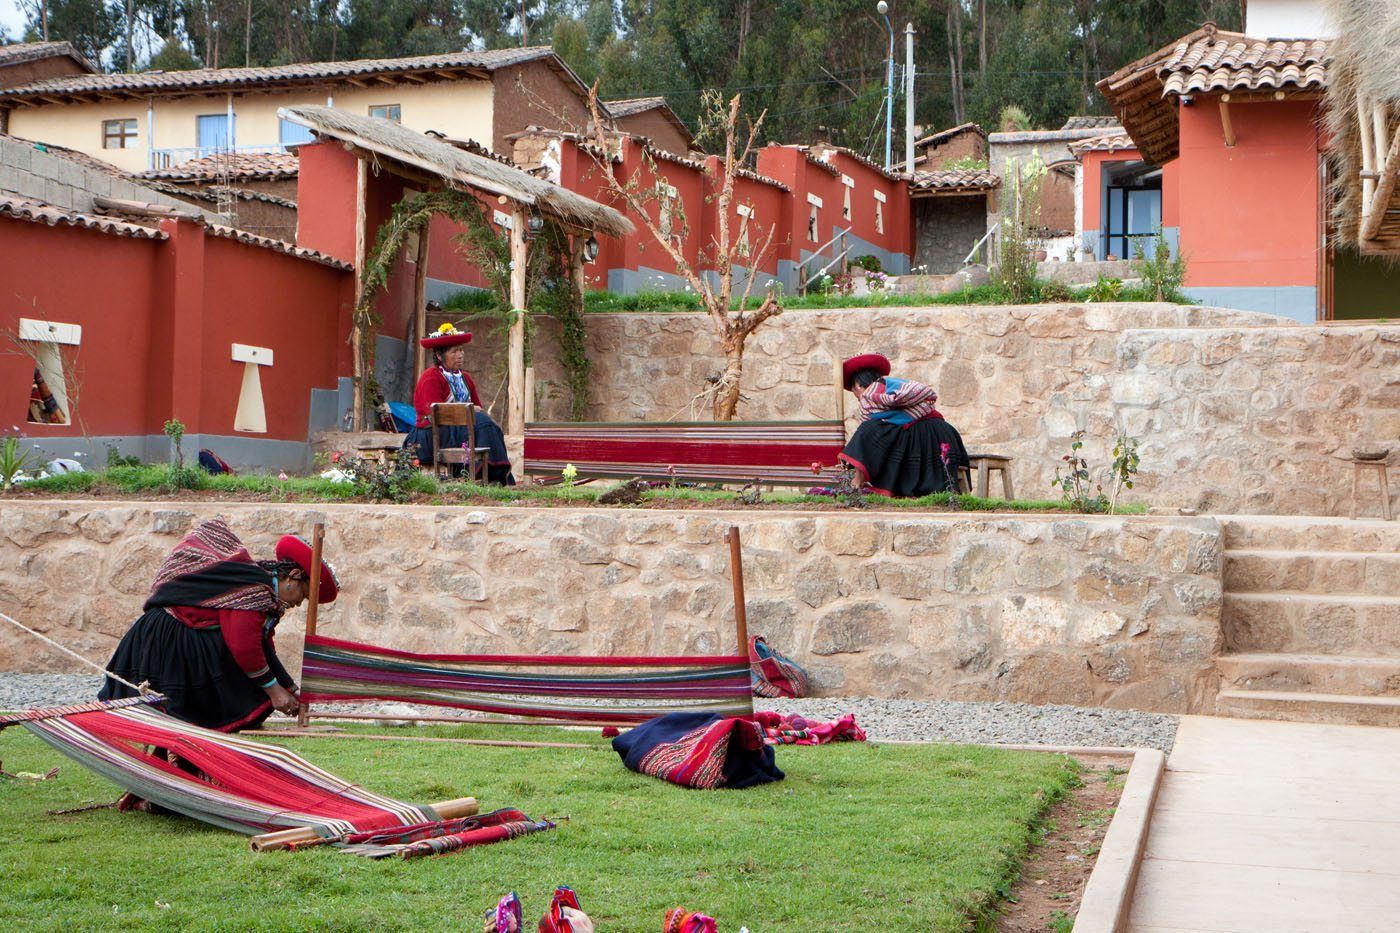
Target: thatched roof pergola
(435,162)
(1363,101)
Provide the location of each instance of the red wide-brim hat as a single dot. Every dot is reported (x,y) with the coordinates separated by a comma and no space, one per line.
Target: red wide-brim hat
(865,361)
(449,339)
(298,550)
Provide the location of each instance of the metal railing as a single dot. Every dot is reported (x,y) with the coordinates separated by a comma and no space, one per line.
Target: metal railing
(163,159)
(817,254)
(988,238)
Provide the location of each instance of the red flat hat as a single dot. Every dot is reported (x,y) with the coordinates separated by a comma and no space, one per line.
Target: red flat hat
(446,336)
(297,550)
(865,361)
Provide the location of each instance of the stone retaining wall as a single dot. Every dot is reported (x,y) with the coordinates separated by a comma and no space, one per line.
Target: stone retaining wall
(1236,411)
(1114,611)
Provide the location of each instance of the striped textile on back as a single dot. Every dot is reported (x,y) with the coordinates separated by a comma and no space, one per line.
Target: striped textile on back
(778,452)
(558,687)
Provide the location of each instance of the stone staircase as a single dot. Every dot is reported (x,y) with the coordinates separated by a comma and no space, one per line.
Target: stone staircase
(1311,620)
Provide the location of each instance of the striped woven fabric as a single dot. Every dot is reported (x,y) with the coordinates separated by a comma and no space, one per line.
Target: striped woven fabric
(246,786)
(557,687)
(778,452)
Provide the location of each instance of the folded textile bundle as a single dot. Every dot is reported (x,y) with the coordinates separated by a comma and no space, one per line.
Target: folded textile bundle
(680,920)
(700,750)
(796,730)
(437,838)
(773,674)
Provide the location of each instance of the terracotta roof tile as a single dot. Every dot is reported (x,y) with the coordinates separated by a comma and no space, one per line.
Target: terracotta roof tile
(1111,142)
(279,246)
(266,166)
(942,136)
(40,213)
(1232,62)
(220,78)
(633,105)
(1090,122)
(22,52)
(953,180)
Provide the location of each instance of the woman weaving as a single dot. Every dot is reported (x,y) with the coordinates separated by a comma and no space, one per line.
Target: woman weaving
(206,638)
(903,447)
(445,381)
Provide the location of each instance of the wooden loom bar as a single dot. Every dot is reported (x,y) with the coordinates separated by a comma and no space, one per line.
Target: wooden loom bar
(499,743)
(303,836)
(736,568)
(313,598)
(464,721)
(1371,220)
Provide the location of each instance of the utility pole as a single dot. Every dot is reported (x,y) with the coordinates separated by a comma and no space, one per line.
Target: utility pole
(884,9)
(909,97)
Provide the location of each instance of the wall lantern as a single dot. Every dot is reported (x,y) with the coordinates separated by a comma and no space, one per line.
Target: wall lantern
(590,249)
(534,225)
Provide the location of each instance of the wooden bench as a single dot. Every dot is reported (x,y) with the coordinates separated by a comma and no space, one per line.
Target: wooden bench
(772,452)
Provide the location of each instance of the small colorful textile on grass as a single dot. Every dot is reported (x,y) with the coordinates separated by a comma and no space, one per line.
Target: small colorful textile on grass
(773,674)
(507,917)
(564,914)
(796,730)
(680,920)
(700,750)
(437,838)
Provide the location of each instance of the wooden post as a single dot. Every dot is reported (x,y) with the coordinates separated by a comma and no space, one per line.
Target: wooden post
(515,400)
(529,394)
(838,379)
(357,339)
(420,311)
(303,836)
(313,598)
(576,263)
(736,572)
(1368,159)
(1380,198)
(1225,123)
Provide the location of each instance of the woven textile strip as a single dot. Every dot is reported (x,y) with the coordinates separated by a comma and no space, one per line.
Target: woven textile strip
(722,452)
(247,786)
(561,687)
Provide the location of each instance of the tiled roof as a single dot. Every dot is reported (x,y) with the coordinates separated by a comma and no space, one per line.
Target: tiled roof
(210,194)
(634,105)
(212,79)
(41,213)
(821,150)
(1232,62)
(72,155)
(265,166)
(22,52)
(1112,142)
(656,152)
(942,136)
(953,180)
(280,246)
(1089,122)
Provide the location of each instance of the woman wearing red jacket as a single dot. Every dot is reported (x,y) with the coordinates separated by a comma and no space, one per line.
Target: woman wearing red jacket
(445,381)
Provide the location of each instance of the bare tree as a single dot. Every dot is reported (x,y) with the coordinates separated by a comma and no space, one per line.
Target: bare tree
(727,249)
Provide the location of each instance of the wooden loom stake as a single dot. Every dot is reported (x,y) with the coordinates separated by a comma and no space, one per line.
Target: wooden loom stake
(303,836)
(313,598)
(736,569)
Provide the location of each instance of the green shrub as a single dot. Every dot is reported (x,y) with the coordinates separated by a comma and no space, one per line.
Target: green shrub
(1106,288)
(1162,275)
(1013,119)
(868,263)
(1055,290)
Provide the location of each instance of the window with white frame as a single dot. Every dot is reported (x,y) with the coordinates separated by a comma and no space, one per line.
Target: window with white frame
(745,213)
(48,390)
(251,414)
(814,204)
(879,212)
(119,134)
(666,219)
(391,112)
(847,183)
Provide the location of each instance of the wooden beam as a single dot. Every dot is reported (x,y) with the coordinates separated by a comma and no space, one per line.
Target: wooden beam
(519,255)
(313,598)
(1385,187)
(1368,151)
(415,78)
(356,338)
(499,743)
(420,310)
(1225,121)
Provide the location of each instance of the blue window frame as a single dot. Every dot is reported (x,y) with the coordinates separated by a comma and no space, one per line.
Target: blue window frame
(290,134)
(212,131)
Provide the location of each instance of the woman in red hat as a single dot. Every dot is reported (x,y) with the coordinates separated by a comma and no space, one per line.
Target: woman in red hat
(445,381)
(903,447)
(206,638)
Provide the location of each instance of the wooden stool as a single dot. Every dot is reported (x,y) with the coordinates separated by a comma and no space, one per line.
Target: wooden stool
(984,464)
(1381,474)
(379,448)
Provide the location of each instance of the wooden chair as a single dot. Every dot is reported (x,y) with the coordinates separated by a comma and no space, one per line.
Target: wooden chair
(984,464)
(457,415)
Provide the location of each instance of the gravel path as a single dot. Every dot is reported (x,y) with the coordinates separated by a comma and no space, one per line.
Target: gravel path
(909,720)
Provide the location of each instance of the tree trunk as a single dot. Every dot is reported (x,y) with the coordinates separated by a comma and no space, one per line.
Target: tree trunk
(982,40)
(727,392)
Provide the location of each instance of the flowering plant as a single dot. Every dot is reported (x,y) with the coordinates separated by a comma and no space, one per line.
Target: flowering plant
(569,474)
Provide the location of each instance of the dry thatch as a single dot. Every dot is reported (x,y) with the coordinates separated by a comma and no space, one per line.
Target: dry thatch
(458,167)
(1365,72)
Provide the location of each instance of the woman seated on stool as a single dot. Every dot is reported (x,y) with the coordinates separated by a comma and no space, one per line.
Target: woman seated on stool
(445,381)
(903,447)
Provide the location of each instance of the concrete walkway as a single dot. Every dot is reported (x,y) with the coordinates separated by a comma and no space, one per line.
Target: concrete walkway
(1274,826)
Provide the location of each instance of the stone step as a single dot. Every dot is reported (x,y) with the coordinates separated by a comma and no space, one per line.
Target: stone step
(1309,533)
(1310,673)
(1336,709)
(1356,573)
(1309,623)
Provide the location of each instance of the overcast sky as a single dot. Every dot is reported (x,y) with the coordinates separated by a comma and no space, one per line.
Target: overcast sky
(11,19)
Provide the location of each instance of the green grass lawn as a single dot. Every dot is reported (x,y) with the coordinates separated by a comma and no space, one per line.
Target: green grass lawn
(859,837)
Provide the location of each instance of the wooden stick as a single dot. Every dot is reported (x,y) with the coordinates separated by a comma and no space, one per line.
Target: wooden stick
(500,743)
(304,836)
(1225,123)
(840,374)
(420,310)
(313,598)
(461,721)
(736,568)
(1390,169)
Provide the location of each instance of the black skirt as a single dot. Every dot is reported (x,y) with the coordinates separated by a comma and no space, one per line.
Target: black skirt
(906,461)
(194,669)
(488,434)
